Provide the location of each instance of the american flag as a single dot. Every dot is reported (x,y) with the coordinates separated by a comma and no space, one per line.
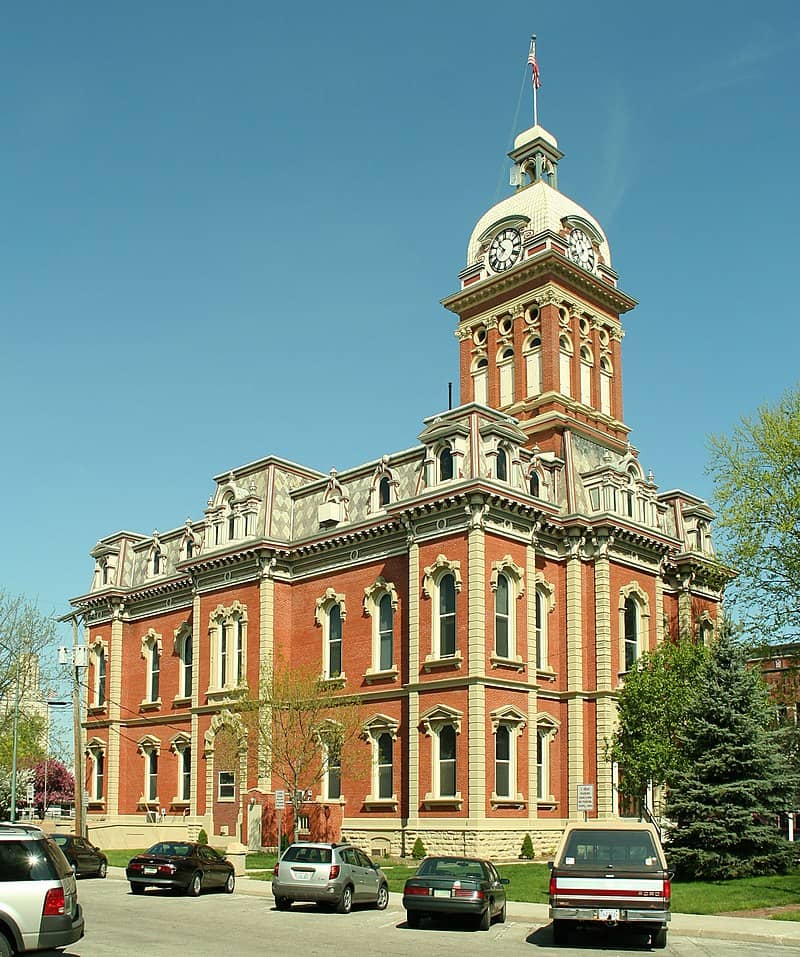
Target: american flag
(534,68)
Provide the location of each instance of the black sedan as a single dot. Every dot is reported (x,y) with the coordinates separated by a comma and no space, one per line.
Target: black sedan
(82,856)
(180,866)
(454,887)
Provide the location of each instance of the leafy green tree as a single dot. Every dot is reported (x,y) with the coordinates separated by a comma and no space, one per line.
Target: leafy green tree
(418,851)
(651,713)
(756,474)
(734,776)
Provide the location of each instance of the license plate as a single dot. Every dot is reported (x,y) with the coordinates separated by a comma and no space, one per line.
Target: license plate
(440,893)
(149,870)
(303,875)
(607,914)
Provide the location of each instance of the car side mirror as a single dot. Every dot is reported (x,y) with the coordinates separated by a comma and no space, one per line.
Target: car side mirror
(505,880)
(550,864)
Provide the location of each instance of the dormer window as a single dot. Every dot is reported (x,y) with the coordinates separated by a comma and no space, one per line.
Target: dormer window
(445,464)
(156,561)
(384,491)
(104,571)
(535,485)
(189,548)
(501,467)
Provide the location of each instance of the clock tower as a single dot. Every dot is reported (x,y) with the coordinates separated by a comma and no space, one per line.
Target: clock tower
(539,309)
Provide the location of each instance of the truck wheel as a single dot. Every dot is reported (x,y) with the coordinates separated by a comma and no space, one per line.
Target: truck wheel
(560,932)
(658,940)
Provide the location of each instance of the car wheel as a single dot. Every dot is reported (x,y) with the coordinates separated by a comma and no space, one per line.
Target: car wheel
(501,917)
(6,950)
(560,932)
(193,890)
(345,904)
(283,903)
(412,919)
(382,900)
(230,884)
(658,940)
(102,870)
(137,888)
(485,920)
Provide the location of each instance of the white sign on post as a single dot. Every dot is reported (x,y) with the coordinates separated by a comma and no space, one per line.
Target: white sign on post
(585,797)
(30,793)
(280,800)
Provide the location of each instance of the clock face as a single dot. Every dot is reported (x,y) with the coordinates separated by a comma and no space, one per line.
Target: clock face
(505,249)
(580,249)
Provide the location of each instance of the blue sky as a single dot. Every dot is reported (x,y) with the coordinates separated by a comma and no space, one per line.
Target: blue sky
(226,232)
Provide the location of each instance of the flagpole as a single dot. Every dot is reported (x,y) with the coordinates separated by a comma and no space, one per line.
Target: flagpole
(535,87)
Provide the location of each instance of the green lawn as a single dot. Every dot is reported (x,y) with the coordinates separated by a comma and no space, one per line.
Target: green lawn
(529,882)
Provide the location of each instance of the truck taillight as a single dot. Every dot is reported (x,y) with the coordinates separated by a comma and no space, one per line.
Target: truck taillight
(667,889)
(54,902)
(552,885)
(334,872)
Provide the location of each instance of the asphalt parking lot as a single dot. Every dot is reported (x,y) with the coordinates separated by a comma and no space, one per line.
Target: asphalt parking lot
(160,924)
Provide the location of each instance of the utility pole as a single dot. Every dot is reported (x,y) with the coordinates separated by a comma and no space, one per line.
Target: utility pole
(76,656)
(14,749)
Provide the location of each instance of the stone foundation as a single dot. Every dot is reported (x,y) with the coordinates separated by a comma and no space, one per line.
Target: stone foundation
(497,844)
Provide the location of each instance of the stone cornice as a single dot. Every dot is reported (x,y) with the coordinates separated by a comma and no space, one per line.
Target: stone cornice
(549,264)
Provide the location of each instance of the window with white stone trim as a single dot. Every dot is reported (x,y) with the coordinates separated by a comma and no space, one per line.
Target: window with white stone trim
(331,613)
(228,645)
(151,652)
(380,604)
(442,725)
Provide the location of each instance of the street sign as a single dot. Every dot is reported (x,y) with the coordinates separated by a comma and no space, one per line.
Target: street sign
(585,797)
(280,800)
(29,793)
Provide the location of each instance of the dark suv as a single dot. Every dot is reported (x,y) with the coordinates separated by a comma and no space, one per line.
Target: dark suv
(39,906)
(329,875)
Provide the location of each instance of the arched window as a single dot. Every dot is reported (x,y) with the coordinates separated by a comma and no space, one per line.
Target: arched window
(98,774)
(155,673)
(534,480)
(156,561)
(445,464)
(228,647)
(385,758)
(502,761)
(333,771)
(385,633)
(185,772)
(384,491)
(151,775)
(542,610)
(502,617)
(480,381)
(501,466)
(187,652)
(447,616)
(446,764)
(587,364)
(565,365)
(631,632)
(605,385)
(505,364)
(189,548)
(333,656)
(533,365)
(100,677)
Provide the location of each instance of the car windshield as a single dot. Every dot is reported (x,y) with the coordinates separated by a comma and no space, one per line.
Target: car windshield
(61,839)
(308,854)
(617,848)
(451,868)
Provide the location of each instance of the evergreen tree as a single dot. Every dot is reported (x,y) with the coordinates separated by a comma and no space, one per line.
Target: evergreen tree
(735,776)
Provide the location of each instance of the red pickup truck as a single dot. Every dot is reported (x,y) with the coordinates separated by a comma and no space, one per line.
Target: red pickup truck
(611,873)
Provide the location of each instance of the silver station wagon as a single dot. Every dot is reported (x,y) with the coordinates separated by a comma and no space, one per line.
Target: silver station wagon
(330,876)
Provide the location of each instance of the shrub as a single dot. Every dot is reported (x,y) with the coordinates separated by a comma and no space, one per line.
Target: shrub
(202,837)
(418,851)
(526,853)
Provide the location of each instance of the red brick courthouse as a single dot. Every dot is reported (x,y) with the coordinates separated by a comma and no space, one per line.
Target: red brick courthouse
(484,592)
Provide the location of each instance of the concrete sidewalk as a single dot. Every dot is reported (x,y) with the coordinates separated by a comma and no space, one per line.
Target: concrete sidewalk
(750,929)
